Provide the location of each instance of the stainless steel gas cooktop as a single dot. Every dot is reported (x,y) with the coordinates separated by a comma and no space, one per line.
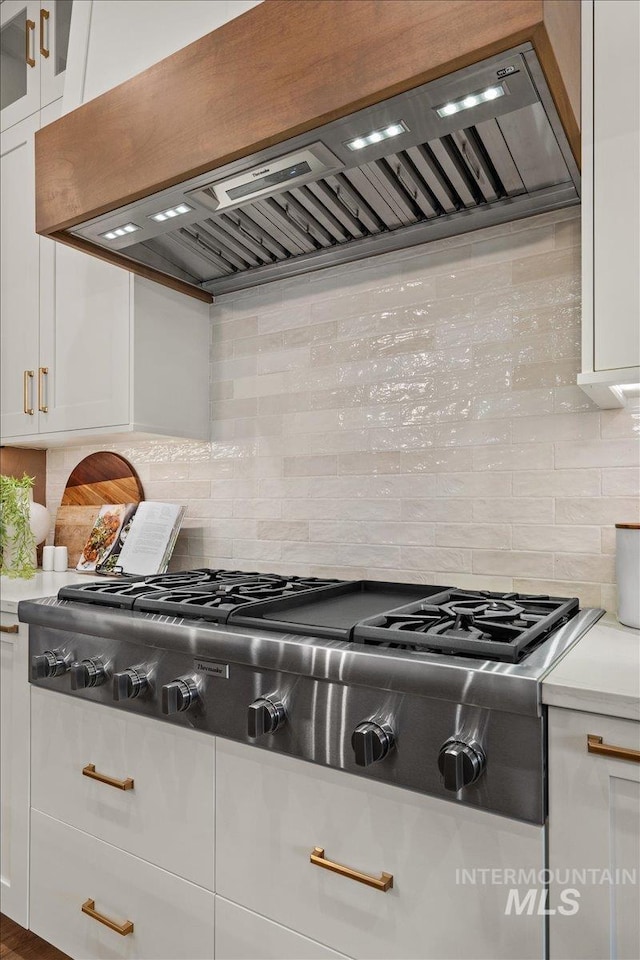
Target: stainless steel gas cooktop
(431,688)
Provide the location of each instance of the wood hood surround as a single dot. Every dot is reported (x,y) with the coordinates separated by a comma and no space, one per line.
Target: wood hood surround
(281,69)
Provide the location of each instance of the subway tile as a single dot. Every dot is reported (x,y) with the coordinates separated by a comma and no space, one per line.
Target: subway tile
(559,427)
(546,265)
(556,538)
(517,456)
(513,563)
(620,423)
(425,461)
(598,453)
(557,483)
(337,509)
(598,568)
(257,509)
(621,482)
(495,536)
(436,559)
(607,539)
(310,466)
(598,510)
(514,510)
(474,484)
(283,529)
(434,510)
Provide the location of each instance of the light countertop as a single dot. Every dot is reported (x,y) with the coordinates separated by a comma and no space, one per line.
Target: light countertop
(601,674)
(12,591)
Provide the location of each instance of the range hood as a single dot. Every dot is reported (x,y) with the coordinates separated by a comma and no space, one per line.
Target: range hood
(480,146)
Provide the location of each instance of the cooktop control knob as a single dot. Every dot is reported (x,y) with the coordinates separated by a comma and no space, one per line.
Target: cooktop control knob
(129,684)
(265,716)
(371,742)
(461,762)
(87,673)
(48,664)
(179,695)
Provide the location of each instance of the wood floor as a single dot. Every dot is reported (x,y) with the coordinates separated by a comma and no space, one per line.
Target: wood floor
(16,943)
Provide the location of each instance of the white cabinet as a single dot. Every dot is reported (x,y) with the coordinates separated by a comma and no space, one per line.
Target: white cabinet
(34,39)
(611,198)
(594,838)
(272,811)
(14,770)
(151,914)
(87,350)
(243,935)
(19,281)
(167,815)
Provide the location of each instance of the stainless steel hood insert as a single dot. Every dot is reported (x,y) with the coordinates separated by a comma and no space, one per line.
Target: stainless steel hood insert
(478,147)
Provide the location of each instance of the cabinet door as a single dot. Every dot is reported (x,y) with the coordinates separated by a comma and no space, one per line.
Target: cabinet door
(272,811)
(170,919)
(85,345)
(53,39)
(19,61)
(594,838)
(616,171)
(14,771)
(19,282)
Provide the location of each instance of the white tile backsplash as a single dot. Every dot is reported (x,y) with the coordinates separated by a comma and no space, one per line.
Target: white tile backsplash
(415,417)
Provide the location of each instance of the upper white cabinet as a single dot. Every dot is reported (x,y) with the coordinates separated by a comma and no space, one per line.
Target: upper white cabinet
(88,351)
(34,40)
(611,198)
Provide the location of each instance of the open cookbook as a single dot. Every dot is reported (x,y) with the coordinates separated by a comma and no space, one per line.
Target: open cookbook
(132,538)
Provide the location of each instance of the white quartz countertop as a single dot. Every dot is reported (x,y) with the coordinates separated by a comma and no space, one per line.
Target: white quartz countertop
(12,591)
(600,674)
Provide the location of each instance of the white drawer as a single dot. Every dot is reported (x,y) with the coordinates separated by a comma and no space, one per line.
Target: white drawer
(271,811)
(172,918)
(167,818)
(243,935)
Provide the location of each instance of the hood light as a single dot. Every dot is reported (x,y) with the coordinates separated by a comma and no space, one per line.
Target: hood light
(122,231)
(471,100)
(171,212)
(376,136)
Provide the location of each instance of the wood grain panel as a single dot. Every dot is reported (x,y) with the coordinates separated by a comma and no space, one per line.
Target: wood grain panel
(15,462)
(284,67)
(102,477)
(16,943)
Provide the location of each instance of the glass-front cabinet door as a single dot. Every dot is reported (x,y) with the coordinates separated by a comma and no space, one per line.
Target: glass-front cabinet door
(19,60)
(34,41)
(54,26)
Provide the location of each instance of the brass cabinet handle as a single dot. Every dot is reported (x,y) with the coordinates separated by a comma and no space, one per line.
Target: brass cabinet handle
(90,771)
(595,745)
(31,26)
(27,376)
(44,16)
(384,882)
(124,929)
(42,373)
(13,628)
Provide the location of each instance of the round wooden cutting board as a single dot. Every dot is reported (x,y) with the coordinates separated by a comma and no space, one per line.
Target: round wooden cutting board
(98,479)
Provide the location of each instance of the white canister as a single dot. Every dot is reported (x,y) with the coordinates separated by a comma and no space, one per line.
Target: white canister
(60,559)
(47,558)
(628,573)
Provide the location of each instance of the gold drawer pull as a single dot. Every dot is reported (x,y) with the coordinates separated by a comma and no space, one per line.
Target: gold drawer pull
(27,377)
(595,745)
(89,907)
(30,26)
(42,373)
(44,16)
(10,629)
(384,882)
(90,771)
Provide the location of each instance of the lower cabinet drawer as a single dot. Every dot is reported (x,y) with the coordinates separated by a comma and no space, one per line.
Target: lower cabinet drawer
(243,935)
(166,818)
(171,918)
(272,811)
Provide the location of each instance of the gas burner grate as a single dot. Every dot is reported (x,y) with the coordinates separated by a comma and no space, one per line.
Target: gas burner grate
(474,624)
